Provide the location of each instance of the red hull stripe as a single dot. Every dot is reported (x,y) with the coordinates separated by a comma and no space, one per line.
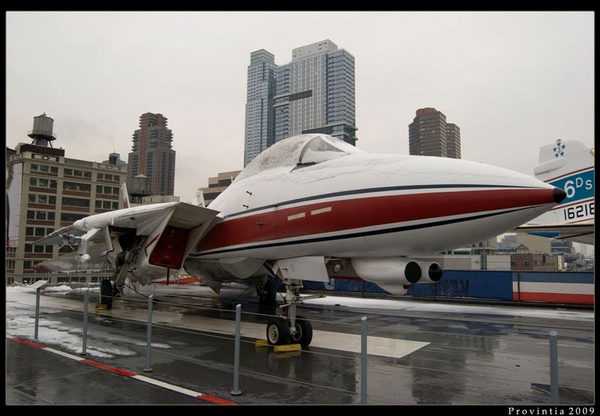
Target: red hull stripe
(355,217)
(394,190)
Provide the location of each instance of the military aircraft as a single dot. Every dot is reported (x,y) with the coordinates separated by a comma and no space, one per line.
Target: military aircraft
(569,165)
(312,207)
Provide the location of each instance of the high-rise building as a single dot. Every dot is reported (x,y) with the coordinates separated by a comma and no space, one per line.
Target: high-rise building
(430,135)
(453,140)
(260,117)
(314,93)
(153,155)
(46,191)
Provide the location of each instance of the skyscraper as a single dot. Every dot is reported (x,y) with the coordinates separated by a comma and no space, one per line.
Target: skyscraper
(430,135)
(152,155)
(260,118)
(312,94)
(453,140)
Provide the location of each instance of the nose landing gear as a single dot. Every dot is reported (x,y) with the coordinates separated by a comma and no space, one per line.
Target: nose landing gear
(288,327)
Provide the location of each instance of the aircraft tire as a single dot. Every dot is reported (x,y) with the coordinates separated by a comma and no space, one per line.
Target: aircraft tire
(304,332)
(278,332)
(106,293)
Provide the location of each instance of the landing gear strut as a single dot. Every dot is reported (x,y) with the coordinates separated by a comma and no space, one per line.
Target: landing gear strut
(106,293)
(287,327)
(267,293)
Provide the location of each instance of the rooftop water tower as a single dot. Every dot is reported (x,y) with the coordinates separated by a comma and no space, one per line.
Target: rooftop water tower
(139,188)
(42,131)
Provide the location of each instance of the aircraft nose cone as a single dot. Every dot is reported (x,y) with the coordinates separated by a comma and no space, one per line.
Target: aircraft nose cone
(559,195)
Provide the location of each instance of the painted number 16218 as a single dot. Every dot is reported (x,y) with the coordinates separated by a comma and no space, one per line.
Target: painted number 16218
(579,211)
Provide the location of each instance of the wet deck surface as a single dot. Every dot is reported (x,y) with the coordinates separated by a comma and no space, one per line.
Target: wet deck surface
(419,353)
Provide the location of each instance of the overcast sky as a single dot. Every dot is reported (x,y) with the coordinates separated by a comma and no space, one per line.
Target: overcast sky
(511,81)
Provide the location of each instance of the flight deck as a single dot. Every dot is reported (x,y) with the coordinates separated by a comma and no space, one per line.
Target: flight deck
(417,352)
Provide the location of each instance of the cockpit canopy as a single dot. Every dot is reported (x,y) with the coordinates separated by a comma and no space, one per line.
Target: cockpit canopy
(302,150)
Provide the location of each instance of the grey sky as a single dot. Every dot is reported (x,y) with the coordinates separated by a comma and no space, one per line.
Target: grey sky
(512,81)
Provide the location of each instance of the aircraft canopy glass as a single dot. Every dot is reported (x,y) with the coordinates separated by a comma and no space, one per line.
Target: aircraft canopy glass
(302,150)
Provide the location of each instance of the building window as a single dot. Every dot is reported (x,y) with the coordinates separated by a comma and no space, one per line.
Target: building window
(107,205)
(40,232)
(42,199)
(44,168)
(78,173)
(42,183)
(107,190)
(30,248)
(76,202)
(75,186)
(40,215)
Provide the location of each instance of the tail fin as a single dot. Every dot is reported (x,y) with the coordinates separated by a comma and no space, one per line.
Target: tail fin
(199,199)
(124,195)
(568,165)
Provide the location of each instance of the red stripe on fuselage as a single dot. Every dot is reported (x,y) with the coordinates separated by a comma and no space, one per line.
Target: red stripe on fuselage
(352,214)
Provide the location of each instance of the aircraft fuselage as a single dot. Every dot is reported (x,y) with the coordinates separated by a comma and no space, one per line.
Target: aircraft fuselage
(370,205)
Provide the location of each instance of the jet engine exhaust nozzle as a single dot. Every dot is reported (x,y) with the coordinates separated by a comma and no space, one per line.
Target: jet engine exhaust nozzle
(435,272)
(396,270)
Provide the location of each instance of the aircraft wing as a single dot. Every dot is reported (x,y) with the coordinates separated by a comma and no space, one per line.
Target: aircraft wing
(577,232)
(144,219)
(171,230)
(69,263)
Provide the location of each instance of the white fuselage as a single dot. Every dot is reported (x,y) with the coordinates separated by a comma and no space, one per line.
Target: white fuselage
(370,205)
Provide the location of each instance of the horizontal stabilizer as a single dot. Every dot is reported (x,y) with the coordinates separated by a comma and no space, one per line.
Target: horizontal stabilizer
(578,232)
(65,236)
(71,262)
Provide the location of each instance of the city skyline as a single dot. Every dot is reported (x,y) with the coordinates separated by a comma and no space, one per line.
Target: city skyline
(512,81)
(314,93)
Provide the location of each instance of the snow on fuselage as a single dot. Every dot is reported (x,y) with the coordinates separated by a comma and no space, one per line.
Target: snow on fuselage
(360,204)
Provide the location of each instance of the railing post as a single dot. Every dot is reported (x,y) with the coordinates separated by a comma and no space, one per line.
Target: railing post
(37,313)
(554,396)
(363,362)
(38,287)
(148,367)
(85,321)
(236,360)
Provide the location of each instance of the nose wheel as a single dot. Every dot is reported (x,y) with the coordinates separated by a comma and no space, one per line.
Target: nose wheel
(278,332)
(302,332)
